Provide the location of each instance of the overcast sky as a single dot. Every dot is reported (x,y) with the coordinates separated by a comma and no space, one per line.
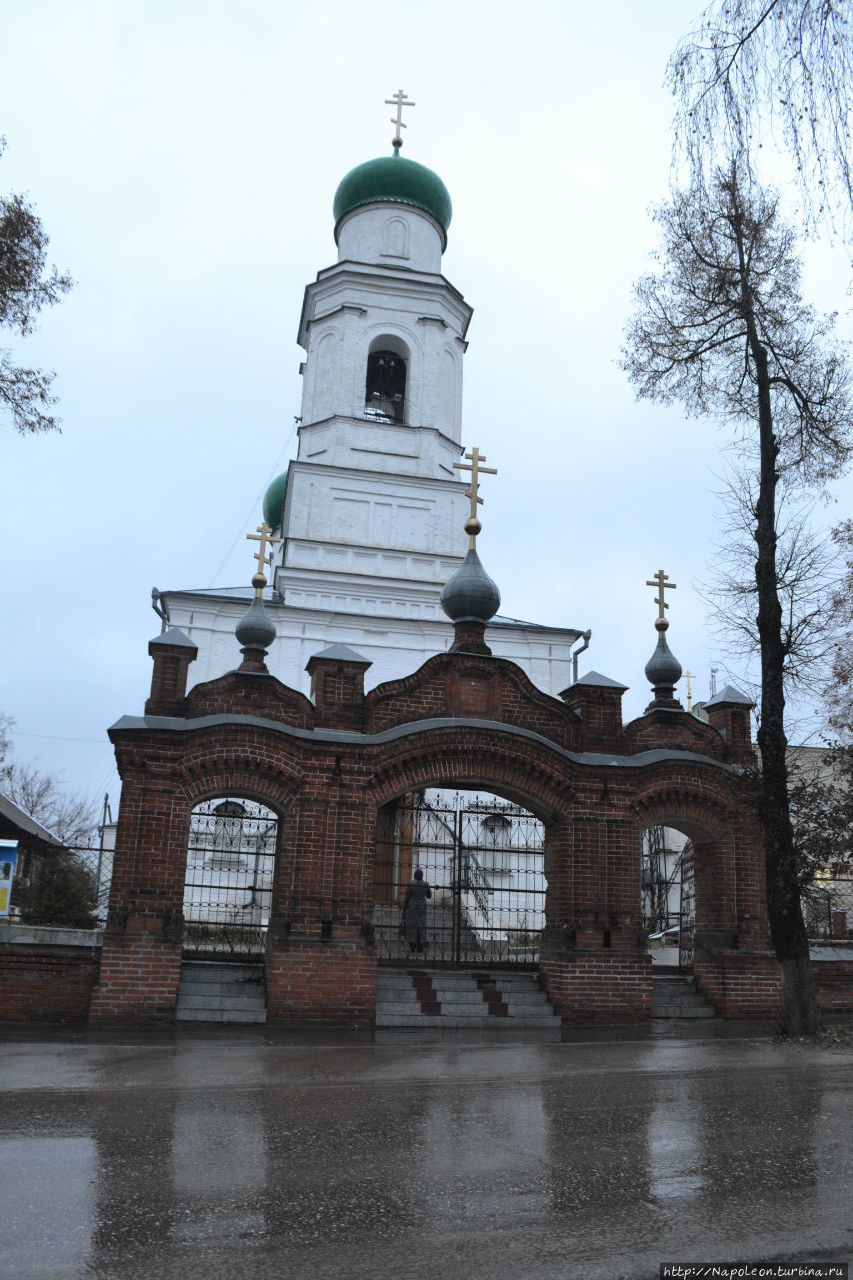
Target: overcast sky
(183,157)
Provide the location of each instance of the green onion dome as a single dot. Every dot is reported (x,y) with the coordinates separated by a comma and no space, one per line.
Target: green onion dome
(273,506)
(397,180)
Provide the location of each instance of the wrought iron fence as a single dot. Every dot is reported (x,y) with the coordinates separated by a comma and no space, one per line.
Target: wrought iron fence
(228,887)
(828,907)
(484,861)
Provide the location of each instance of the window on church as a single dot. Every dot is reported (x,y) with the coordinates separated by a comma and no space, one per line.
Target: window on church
(385,387)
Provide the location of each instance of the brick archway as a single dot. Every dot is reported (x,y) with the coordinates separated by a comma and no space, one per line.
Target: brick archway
(462,720)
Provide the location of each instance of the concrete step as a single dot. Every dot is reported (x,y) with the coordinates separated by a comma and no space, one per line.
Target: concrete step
(222,1015)
(470,1023)
(674,995)
(218,992)
(682,1011)
(211,1000)
(223,988)
(458,999)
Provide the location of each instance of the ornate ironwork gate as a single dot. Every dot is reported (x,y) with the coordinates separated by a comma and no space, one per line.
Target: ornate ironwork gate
(228,887)
(484,862)
(687,920)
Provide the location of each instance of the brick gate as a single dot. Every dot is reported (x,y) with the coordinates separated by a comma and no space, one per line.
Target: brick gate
(328,767)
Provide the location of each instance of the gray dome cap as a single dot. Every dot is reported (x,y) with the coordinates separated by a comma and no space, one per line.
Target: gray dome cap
(663,669)
(730,696)
(470,595)
(254,630)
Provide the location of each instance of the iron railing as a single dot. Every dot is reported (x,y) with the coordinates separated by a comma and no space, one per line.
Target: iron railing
(484,862)
(828,907)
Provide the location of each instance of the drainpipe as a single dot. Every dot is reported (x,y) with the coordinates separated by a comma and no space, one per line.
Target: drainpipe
(158,604)
(577,653)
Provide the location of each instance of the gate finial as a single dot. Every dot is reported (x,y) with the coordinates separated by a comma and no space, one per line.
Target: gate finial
(663,669)
(472,524)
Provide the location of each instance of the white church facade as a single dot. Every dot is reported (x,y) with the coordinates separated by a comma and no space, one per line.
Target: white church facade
(371,511)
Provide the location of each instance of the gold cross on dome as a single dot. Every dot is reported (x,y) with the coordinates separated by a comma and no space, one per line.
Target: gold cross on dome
(399,101)
(472,524)
(661,581)
(264,537)
(688,676)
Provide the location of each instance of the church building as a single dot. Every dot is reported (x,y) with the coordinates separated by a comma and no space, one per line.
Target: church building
(277,811)
(371,511)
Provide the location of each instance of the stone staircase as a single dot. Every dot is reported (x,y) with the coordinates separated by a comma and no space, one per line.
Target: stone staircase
(214,991)
(674,995)
(455,999)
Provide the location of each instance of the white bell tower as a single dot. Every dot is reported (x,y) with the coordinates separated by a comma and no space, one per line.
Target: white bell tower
(373,510)
(371,513)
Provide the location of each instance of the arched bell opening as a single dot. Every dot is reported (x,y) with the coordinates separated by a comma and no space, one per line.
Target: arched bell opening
(385,381)
(231,852)
(482,857)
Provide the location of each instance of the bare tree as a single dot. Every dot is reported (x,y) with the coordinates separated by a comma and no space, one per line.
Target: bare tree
(72,819)
(755,71)
(722,329)
(26,287)
(6,723)
(839,691)
(822,808)
(809,572)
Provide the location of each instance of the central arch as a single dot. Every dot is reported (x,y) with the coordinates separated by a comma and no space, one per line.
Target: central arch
(482,858)
(481,819)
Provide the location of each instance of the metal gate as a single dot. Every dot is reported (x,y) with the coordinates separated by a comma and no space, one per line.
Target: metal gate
(484,862)
(687,919)
(228,887)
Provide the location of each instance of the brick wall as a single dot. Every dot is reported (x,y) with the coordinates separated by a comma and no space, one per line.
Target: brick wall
(139,977)
(834,982)
(322,980)
(739,984)
(602,985)
(47,983)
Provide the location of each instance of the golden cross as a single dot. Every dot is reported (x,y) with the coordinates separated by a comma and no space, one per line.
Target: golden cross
(399,101)
(263,536)
(661,581)
(688,676)
(472,524)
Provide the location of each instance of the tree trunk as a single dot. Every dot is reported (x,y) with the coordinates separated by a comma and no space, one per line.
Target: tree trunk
(800,1014)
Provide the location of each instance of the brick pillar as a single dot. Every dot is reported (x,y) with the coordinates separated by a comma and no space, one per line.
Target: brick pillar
(728,713)
(172,653)
(321,957)
(598,701)
(141,953)
(593,963)
(337,686)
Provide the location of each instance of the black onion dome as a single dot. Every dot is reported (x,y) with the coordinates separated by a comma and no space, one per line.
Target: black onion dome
(663,668)
(254,630)
(470,595)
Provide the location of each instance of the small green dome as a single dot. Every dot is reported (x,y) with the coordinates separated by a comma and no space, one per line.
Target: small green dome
(274,501)
(398,180)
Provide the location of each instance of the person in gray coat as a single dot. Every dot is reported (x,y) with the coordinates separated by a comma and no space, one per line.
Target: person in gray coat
(414,911)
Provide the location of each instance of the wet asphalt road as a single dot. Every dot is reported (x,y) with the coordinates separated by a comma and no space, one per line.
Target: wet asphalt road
(231,1153)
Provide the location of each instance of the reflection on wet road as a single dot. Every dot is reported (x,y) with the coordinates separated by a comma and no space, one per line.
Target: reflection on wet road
(246,1155)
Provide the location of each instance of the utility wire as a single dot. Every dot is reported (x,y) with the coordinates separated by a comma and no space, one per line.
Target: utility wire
(255,502)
